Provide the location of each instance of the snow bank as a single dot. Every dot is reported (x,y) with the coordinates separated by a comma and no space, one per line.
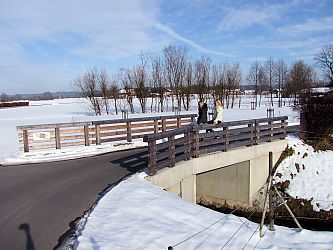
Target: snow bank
(310,174)
(138,215)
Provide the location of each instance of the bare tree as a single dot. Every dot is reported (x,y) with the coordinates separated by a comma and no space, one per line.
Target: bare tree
(187,87)
(127,87)
(4,97)
(269,74)
(87,85)
(201,75)
(158,80)
(255,78)
(324,60)
(47,96)
(175,61)
(280,74)
(103,85)
(234,77)
(300,78)
(114,94)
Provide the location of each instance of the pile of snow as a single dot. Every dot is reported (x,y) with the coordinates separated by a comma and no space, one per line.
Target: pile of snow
(138,215)
(310,174)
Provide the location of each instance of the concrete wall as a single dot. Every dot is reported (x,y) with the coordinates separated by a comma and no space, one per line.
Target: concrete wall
(227,183)
(216,174)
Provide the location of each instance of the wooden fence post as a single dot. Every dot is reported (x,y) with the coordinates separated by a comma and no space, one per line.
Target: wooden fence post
(129,134)
(250,125)
(257,132)
(196,146)
(188,143)
(284,126)
(172,147)
(163,125)
(26,140)
(178,122)
(270,127)
(226,137)
(156,125)
(57,138)
(98,134)
(152,158)
(86,135)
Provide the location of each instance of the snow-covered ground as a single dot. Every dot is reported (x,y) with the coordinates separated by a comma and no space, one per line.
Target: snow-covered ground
(75,110)
(309,173)
(138,215)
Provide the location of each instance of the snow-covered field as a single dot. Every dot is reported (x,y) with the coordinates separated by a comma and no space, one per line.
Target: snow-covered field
(309,173)
(138,215)
(75,110)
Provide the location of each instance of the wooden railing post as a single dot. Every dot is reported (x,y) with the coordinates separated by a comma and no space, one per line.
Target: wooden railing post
(171,149)
(25,140)
(163,125)
(152,158)
(188,142)
(270,127)
(179,122)
(257,132)
(57,138)
(98,134)
(196,146)
(284,126)
(250,125)
(156,125)
(129,134)
(86,135)
(226,137)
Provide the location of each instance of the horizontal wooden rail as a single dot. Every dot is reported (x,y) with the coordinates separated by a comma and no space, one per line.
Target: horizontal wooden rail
(59,135)
(167,148)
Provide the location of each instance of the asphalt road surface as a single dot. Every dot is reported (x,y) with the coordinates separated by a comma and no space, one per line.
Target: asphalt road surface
(38,201)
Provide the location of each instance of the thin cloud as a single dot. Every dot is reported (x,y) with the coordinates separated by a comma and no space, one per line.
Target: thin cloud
(243,18)
(309,26)
(194,45)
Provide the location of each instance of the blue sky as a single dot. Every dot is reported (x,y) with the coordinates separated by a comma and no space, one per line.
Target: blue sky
(44,45)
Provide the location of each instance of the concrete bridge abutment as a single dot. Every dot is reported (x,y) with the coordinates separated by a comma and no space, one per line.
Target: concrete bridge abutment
(230,177)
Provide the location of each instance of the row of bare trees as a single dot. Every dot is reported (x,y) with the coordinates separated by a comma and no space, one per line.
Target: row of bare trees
(174,78)
(274,76)
(172,75)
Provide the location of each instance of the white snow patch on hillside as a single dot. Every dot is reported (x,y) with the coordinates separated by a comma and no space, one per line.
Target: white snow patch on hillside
(138,215)
(310,174)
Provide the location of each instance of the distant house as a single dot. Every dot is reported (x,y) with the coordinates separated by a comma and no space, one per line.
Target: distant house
(123,92)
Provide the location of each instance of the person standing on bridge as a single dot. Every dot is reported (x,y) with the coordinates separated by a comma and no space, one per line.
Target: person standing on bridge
(202,111)
(218,114)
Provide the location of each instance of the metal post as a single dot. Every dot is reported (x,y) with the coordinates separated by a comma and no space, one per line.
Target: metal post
(271,208)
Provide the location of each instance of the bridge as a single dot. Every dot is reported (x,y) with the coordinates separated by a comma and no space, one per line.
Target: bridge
(40,201)
(226,166)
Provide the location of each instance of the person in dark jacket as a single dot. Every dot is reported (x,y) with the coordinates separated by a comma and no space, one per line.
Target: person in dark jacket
(202,110)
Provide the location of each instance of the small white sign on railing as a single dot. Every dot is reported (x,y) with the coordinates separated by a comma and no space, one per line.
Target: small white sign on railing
(41,136)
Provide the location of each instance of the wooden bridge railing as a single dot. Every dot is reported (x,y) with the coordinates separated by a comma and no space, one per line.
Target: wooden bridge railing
(167,148)
(59,135)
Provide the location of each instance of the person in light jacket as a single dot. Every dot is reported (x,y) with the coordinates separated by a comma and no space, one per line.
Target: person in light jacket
(218,114)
